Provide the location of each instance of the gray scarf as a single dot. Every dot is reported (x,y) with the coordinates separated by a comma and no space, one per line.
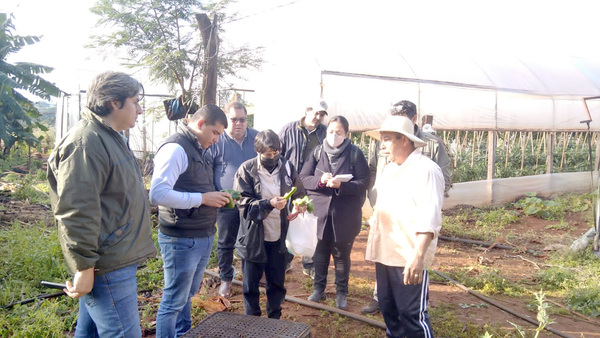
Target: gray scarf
(333,154)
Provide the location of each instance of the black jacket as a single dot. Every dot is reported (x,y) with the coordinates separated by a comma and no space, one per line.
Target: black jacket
(254,209)
(344,205)
(293,141)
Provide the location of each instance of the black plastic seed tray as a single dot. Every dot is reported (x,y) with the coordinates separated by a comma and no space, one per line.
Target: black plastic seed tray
(234,325)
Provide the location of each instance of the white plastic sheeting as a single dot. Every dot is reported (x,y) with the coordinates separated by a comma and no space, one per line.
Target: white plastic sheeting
(478,92)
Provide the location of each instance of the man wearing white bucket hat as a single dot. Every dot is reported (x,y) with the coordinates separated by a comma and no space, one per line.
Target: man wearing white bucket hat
(403,236)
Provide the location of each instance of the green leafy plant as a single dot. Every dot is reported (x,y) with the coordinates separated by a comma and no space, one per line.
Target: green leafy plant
(535,206)
(543,317)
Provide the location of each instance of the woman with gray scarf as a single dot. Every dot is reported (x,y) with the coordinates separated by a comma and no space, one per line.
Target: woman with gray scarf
(336,178)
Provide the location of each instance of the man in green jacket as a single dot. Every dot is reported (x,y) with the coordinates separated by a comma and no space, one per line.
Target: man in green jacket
(100,204)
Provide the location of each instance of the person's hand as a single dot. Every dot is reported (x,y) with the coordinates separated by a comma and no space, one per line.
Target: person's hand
(300,208)
(334,183)
(278,202)
(215,199)
(83,282)
(413,271)
(326,177)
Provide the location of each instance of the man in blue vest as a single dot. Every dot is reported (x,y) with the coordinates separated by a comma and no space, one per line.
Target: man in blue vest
(235,146)
(183,187)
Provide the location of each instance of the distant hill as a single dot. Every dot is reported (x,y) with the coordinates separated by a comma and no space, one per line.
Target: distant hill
(48,111)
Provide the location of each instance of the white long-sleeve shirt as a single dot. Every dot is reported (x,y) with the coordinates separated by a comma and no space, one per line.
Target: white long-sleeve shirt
(169,163)
(409,201)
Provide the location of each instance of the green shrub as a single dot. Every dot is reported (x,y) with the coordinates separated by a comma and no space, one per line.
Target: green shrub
(535,206)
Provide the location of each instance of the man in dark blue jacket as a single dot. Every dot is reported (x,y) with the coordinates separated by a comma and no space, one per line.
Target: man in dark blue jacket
(298,139)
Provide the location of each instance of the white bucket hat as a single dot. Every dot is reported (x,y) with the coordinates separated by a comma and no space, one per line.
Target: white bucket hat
(402,125)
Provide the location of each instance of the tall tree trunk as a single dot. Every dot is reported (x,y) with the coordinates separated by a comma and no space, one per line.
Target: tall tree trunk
(210,42)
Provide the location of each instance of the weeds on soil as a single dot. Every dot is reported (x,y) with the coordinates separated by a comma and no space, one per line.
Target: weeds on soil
(35,255)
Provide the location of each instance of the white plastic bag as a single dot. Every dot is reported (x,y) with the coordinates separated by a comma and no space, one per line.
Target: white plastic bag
(301,238)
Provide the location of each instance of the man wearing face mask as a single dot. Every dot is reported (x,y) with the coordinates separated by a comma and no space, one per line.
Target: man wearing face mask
(235,146)
(298,140)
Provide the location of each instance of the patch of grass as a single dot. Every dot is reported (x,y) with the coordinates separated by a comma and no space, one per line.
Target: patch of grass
(487,280)
(48,318)
(360,286)
(453,227)
(574,276)
(150,275)
(20,278)
(561,225)
(446,324)
(497,218)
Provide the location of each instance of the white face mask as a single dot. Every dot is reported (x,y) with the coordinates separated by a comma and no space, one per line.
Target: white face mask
(334,139)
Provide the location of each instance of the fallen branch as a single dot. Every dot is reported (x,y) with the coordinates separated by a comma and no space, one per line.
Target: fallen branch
(526,260)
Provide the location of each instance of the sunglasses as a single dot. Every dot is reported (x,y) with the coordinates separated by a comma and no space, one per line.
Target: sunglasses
(240,120)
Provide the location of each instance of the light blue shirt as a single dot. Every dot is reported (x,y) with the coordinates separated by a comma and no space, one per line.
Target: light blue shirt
(229,155)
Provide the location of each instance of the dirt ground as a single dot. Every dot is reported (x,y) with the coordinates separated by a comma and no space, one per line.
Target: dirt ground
(518,266)
(515,266)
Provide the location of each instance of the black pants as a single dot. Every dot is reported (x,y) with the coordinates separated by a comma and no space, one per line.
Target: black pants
(228,223)
(274,269)
(404,307)
(340,251)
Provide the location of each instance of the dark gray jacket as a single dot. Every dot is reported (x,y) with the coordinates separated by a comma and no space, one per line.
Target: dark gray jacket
(254,208)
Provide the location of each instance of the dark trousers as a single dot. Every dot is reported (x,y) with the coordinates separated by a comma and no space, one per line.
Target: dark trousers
(274,269)
(326,248)
(228,223)
(404,307)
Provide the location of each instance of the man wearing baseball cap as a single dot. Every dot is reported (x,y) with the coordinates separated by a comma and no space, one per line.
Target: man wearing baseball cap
(406,224)
(298,140)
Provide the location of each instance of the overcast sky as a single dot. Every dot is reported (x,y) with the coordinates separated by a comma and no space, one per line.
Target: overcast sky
(303,37)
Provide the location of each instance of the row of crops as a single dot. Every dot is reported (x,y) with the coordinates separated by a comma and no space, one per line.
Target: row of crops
(517,153)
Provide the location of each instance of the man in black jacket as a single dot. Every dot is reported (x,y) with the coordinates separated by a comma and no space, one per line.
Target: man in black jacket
(298,139)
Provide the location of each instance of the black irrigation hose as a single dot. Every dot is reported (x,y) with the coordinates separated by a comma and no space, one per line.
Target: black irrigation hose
(318,306)
(499,246)
(31,300)
(501,307)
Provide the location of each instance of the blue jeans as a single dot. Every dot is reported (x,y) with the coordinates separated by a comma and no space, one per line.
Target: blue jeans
(110,309)
(184,260)
(228,222)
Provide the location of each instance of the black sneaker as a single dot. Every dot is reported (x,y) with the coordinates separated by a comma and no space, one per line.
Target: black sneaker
(372,308)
